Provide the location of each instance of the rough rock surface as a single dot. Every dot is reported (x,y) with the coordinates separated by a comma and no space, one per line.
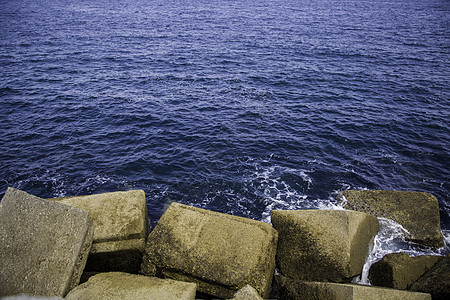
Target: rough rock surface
(219,252)
(400,271)
(117,285)
(121,227)
(26,297)
(323,245)
(436,281)
(305,290)
(43,245)
(417,212)
(247,293)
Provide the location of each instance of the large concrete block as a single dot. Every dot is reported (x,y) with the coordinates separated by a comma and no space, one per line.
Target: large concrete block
(26,297)
(399,270)
(117,285)
(305,290)
(43,245)
(435,281)
(247,293)
(219,252)
(323,245)
(417,212)
(121,227)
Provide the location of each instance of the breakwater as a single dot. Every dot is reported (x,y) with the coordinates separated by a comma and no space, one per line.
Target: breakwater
(316,252)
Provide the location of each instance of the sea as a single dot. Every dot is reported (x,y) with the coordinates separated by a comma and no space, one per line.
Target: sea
(237,106)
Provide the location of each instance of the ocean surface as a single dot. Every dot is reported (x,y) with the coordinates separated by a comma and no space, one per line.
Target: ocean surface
(238,106)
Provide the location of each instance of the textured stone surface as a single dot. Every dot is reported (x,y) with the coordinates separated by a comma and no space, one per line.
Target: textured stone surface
(121,227)
(219,252)
(436,281)
(26,297)
(323,245)
(117,285)
(247,293)
(417,212)
(294,289)
(43,245)
(399,270)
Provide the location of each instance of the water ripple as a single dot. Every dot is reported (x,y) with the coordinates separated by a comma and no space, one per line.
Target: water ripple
(237,106)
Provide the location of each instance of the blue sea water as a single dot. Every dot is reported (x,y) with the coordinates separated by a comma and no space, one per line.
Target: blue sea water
(238,106)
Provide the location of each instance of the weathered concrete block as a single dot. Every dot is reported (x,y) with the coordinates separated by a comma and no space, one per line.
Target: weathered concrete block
(323,245)
(26,297)
(436,281)
(399,270)
(306,290)
(117,285)
(219,252)
(417,212)
(43,245)
(121,227)
(247,293)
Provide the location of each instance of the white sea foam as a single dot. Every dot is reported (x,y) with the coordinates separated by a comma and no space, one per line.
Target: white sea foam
(391,239)
(276,193)
(390,231)
(446,234)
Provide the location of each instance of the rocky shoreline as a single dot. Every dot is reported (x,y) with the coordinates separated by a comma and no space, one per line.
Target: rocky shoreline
(99,247)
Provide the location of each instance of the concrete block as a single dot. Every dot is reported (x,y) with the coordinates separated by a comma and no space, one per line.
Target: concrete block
(26,297)
(400,271)
(323,245)
(121,227)
(247,293)
(305,290)
(417,212)
(435,281)
(219,252)
(43,245)
(118,285)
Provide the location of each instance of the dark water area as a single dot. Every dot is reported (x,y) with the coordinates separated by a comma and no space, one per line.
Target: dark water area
(239,106)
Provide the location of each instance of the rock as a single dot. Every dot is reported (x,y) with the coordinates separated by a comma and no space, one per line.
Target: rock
(436,281)
(43,245)
(121,227)
(247,293)
(323,245)
(417,212)
(399,270)
(86,275)
(219,252)
(118,285)
(26,297)
(295,289)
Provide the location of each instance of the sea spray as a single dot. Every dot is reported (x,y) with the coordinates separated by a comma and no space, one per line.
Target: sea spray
(391,239)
